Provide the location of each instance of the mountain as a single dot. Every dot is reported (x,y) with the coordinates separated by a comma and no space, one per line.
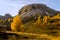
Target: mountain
(5,17)
(32,11)
(1,17)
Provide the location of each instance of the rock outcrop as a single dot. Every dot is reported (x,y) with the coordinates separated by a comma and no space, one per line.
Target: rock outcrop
(28,12)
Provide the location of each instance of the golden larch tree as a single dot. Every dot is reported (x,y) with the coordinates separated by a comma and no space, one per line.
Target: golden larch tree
(45,19)
(16,24)
(38,21)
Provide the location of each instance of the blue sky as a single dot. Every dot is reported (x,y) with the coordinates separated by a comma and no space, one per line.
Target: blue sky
(12,6)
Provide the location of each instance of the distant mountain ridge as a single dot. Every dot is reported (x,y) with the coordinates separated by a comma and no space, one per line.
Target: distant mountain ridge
(5,17)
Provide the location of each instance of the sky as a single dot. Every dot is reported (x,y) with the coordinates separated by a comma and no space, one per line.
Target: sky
(12,6)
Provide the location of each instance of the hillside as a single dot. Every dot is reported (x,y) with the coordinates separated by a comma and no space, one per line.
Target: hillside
(33,22)
(40,19)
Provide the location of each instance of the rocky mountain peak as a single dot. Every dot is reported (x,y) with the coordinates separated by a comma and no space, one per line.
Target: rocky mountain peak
(41,7)
(34,10)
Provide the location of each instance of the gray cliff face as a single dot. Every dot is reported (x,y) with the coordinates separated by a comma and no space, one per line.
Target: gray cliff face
(34,10)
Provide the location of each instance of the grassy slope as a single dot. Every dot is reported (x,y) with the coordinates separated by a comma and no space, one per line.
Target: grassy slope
(31,27)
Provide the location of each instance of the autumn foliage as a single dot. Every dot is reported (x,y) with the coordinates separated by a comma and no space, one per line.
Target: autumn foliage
(16,24)
(54,20)
(46,21)
(39,20)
